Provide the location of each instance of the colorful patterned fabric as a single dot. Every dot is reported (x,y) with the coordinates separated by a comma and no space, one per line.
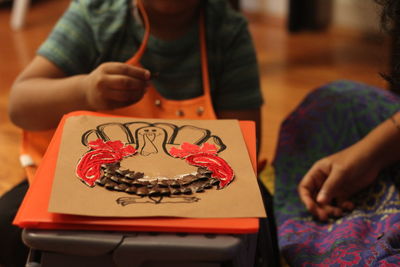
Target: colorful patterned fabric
(329,119)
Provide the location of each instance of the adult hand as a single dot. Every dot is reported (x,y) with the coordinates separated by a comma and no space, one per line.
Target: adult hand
(327,187)
(115,85)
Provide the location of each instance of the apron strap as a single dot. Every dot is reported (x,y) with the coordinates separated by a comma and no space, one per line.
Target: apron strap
(138,55)
(203,50)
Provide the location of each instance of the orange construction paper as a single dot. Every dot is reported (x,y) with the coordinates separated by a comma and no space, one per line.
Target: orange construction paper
(33,211)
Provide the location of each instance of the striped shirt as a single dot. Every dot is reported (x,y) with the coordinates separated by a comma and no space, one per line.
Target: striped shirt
(92,32)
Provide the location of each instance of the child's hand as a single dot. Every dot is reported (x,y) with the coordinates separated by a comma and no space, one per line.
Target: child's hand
(115,85)
(327,187)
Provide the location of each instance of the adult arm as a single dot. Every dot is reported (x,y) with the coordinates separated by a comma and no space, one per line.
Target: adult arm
(327,187)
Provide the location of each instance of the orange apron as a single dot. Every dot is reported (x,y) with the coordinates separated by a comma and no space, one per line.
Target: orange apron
(152,105)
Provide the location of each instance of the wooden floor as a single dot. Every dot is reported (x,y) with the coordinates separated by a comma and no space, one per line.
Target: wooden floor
(290,65)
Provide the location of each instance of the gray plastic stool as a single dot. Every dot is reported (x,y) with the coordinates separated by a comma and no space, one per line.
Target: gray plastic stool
(59,248)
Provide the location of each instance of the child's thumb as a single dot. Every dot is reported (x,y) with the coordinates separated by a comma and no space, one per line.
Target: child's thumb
(329,189)
(324,197)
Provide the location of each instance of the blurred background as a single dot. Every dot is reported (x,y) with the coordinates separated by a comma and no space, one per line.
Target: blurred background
(301,45)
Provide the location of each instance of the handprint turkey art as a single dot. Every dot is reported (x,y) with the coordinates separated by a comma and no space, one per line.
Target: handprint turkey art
(122,163)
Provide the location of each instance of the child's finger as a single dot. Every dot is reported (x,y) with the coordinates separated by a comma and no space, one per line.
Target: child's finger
(127,70)
(124,96)
(321,214)
(347,205)
(331,186)
(324,212)
(306,197)
(121,82)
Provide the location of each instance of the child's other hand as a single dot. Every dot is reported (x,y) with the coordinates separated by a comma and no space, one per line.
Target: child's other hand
(327,187)
(115,85)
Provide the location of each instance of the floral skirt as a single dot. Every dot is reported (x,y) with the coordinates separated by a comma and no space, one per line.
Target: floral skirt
(329,119)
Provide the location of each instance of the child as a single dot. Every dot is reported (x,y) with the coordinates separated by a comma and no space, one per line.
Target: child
(191,59)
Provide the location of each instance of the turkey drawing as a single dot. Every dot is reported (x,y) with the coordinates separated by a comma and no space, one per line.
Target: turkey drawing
(118,159)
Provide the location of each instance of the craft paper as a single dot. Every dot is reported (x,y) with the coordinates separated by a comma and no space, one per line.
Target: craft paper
(33,210)
(163,151)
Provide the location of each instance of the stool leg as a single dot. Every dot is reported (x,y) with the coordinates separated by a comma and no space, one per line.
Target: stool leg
(18,13)
(33,259)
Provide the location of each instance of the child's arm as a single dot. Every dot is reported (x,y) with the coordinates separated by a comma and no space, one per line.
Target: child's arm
(42,93)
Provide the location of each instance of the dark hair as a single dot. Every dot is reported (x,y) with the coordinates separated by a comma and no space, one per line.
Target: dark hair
(390,14)
(390,21)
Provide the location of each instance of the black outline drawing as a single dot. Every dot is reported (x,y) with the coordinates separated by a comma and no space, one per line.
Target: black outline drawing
(123,201)
(170,132)
(134,131)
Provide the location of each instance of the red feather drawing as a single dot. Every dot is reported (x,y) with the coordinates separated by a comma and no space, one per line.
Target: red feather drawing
(206,156)
(89,166)
(99,166)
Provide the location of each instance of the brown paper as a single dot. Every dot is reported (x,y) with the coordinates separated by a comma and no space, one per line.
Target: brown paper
(241,198)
